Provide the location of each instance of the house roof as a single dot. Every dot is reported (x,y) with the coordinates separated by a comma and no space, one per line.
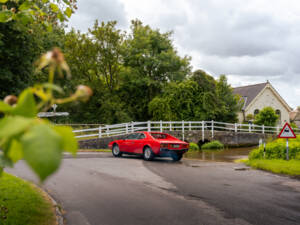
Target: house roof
(249,92)
(295,115)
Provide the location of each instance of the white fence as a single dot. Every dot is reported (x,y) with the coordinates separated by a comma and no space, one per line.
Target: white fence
(161,126)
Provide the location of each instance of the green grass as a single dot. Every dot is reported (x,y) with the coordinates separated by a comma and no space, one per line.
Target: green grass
(23,204)
(94,150)
(291,167)
(213,145)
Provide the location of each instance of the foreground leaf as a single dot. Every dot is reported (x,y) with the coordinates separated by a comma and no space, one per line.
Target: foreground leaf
(5,107)
(15,152)
(42,148)
(69,141)
(13,125)
(26,105)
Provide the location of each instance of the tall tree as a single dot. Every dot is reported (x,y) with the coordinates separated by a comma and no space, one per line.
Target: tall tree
(151,61)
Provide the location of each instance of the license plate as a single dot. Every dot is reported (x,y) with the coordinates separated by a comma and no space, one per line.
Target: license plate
(176,146)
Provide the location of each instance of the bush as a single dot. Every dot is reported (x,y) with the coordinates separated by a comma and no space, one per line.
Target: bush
(277,150)
(213,145)
(194,147)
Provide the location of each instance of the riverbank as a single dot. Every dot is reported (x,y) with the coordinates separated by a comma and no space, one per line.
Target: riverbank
(280,166)
(22,203)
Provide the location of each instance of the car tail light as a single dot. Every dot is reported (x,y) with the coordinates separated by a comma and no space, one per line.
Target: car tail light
(185,146)
(164,145)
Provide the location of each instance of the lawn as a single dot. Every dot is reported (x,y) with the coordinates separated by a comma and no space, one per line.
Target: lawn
(291,167)
(23,204)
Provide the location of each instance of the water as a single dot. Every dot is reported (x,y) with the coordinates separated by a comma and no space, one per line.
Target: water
(226,155)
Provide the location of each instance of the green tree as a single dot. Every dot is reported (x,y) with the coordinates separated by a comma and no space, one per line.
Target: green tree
(150,61)
(228,102)
(267,116)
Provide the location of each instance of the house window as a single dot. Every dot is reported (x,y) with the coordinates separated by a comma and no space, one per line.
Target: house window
(256,111)
(278,113)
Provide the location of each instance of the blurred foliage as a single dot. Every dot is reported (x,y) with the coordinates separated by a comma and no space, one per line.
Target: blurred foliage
(193,147)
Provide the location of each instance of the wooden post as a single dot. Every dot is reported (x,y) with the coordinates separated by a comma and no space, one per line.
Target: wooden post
(190,126)
(235,127)
(100,132)
(149,126)
(132,127)
(126,128)
(183,130)
(160,126)
(212,129)
(170,126)
(202,131)
(263,128)
(107,130)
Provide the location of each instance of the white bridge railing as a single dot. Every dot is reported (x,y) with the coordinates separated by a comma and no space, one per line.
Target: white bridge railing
(161,126)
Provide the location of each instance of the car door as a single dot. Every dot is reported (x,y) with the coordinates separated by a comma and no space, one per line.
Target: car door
(139,143)
(129,142)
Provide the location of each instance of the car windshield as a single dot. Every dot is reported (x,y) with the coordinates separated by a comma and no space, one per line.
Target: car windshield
(159,136)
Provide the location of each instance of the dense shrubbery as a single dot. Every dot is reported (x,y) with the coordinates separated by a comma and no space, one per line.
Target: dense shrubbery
(277,150)
(194,147)
(213,145)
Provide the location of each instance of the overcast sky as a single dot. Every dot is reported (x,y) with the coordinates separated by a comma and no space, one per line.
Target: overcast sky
(250,41)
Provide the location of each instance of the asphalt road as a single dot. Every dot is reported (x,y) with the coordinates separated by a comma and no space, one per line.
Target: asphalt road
(97,189)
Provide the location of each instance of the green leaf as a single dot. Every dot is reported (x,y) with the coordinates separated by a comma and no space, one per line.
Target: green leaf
(3,1)
(54,7)
(69,141)
(1,171)
(26,5)
(26,105)
(15,152)
(13,125)
(68,12)
(5,107)
(42,148)
(5,16)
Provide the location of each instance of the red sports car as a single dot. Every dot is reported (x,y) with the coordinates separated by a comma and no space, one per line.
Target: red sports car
(150,145)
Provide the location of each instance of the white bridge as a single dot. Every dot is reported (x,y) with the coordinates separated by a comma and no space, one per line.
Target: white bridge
(100,131)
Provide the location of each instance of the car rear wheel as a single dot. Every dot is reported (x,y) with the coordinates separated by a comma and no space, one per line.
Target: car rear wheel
(116,151)
(148,154)
(177,156)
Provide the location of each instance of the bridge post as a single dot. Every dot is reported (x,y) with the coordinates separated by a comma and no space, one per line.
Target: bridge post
(160,126)
(107,130)
(170,126)
(202,131)
(149,126)
(235,127)
(100,132)
(212,129)
(263,128)
(190,126)
(132,126)
(249,127)
(183,130)
(126,128)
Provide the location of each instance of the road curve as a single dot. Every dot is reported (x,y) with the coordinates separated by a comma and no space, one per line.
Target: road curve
(97,189)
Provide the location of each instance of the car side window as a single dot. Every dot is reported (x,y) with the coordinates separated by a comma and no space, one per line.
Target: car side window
(133,136)
(141,136)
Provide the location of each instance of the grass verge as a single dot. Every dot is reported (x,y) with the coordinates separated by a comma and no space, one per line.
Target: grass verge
(291,167)
(23,204)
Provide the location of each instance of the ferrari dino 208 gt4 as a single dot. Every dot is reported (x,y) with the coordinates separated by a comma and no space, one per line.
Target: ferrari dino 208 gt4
(150,145)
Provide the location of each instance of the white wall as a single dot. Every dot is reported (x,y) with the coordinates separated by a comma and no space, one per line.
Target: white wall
(268,98)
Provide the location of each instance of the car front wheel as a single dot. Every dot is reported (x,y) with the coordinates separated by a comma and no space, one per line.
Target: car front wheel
(116,151)
(148,154)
